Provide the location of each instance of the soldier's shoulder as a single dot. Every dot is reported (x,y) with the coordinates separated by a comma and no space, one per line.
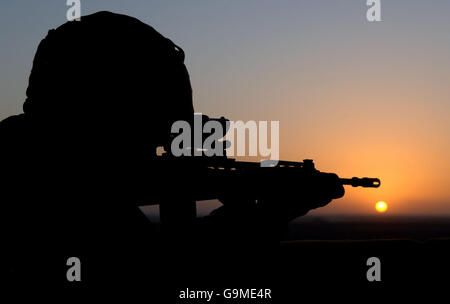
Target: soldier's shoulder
(12,124)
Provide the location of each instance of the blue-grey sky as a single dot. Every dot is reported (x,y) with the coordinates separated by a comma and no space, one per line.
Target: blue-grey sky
(329,76)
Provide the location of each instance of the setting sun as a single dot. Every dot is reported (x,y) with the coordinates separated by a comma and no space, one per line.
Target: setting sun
(381,206)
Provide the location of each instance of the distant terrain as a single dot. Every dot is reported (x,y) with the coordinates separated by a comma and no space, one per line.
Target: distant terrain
(420,228)
(364,227)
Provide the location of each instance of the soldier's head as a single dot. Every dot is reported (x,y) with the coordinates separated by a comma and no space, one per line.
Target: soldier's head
(109,72)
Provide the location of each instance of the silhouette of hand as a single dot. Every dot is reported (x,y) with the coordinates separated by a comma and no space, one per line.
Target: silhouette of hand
(316,192)
(292,200)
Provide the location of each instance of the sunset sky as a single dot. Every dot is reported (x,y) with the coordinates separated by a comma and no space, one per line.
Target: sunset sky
(360,98)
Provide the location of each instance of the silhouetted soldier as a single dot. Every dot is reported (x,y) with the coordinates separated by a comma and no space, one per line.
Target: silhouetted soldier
(101,97)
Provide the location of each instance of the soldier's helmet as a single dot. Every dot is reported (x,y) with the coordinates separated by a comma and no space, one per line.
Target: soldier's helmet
(108,70)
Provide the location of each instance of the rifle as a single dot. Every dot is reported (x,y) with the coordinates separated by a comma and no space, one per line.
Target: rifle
(184,180)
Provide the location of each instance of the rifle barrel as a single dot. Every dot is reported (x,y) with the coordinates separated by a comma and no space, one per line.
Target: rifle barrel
(365,182)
